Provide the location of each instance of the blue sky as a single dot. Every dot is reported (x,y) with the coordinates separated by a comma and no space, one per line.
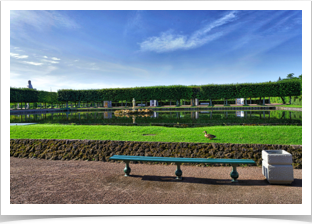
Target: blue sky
(109,49)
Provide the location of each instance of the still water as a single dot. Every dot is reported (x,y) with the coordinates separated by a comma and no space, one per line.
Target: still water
(165,117)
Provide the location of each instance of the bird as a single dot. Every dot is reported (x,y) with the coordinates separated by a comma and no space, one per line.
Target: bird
(209,135)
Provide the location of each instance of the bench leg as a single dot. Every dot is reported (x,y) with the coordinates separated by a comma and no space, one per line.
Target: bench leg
(178,172)
(234,174)
(127,169)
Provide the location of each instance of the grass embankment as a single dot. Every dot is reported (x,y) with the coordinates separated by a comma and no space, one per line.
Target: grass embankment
(284,135)
(289,105)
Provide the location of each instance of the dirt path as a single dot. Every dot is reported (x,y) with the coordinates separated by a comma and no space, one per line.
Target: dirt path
(35,181)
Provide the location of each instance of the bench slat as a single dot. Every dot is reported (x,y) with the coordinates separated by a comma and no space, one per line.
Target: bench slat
(181,160)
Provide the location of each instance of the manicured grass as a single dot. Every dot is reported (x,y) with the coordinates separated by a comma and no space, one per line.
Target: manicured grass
(285,135)
(288,105)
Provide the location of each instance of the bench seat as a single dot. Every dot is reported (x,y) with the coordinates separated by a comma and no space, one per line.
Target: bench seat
(177,160)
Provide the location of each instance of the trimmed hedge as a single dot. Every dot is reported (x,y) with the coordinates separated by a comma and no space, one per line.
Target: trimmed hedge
(174,92)
(177,92)
(247,90)
(18,95)
(139,93)
(23,95)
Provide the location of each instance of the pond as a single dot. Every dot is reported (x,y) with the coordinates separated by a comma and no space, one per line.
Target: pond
(166,118)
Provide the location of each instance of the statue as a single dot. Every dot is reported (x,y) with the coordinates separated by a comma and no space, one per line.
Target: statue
(133,101)
(29,85)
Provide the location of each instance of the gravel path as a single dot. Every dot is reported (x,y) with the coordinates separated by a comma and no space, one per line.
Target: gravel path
(35,181)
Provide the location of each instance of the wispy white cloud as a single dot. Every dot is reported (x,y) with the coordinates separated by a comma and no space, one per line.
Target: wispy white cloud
(31,63)
(170,41)
(54,58)
(112,68)
(18,56)
(134,23)
(271,28)
(50,61)
(41,20)
(16,48)
(45,56)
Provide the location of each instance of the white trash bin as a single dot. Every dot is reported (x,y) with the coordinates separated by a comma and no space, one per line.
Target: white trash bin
(277,166)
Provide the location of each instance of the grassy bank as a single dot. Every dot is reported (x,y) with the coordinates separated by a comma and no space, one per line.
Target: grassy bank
(285,135)
(289,105)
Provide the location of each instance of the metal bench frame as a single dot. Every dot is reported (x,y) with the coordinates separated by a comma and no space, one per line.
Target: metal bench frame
(178,161)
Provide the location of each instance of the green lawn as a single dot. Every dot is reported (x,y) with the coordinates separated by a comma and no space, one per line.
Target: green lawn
(288,105)
(285,135)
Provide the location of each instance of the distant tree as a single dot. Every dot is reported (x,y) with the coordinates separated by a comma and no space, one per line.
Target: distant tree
(290,76)
(279,79)
(300,76)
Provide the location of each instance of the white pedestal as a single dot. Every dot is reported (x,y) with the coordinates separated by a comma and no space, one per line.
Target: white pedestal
(107,103)
(277,166)
(153,103)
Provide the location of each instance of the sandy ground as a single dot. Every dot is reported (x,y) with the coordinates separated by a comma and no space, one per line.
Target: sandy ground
(35,181)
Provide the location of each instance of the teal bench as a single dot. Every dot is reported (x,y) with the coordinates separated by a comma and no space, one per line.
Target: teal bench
(177,160)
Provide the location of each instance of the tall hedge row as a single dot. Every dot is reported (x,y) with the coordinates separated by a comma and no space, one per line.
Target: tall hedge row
(213,91)
(139,93)
(19,95)
(246,90)
(174,92)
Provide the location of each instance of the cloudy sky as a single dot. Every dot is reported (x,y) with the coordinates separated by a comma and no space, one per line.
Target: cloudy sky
(109,49)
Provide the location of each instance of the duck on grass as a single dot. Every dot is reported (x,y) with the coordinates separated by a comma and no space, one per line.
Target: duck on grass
(210,136)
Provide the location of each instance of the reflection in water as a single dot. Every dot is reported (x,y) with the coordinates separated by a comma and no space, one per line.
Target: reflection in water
(240,113)
(108,115)
(187,117)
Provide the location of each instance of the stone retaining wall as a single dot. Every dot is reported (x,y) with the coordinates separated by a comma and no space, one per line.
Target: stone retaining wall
(96,150)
